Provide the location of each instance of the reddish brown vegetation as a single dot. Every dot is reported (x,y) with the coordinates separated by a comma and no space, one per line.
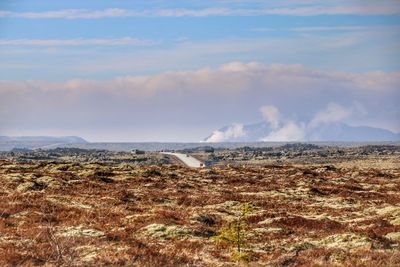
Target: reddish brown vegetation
(99,214)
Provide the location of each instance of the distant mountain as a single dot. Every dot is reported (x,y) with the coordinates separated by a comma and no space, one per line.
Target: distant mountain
(62,139)
(34,142)
(334,131)
(344,132)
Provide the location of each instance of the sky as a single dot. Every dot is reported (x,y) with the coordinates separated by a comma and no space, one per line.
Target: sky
(179,70)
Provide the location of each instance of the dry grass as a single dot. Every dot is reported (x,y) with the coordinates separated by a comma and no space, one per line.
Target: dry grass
(114,214)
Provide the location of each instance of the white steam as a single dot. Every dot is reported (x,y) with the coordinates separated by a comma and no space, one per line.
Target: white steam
(271,115)
(236,130)
(290,131)
(332,113)
(298,131)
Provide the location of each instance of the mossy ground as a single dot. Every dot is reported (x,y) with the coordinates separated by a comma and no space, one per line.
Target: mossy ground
(93,214)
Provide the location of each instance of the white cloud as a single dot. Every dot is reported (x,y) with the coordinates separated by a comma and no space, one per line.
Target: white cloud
(323,8)
(346,28)
(234,131)
(76,42)
(263,29)
(233,79)
(72,14)
(328,52)
(205,97)
(271,115)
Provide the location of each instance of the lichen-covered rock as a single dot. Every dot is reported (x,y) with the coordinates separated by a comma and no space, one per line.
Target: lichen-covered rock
(162,231)
(395,221)
(49,182)
(393,211)
(13,178)
(345,241)
(225,205)
(44,179)
(267,230)
(269,220)
(24,187)
(67,202)
(203,218)
(395,236)
(79,231)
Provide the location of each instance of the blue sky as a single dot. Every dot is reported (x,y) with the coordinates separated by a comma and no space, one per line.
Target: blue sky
(115,52)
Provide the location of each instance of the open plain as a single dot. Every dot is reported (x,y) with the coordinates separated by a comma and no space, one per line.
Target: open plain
(313,206)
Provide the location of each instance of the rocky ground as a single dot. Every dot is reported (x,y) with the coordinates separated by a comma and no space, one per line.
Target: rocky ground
(65,210)
(299,154)
(78,155)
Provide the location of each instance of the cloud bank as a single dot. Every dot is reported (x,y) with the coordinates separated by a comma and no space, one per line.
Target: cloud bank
(234,77)
(201,100)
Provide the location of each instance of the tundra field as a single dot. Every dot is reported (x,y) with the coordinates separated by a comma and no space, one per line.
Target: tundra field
(307,206)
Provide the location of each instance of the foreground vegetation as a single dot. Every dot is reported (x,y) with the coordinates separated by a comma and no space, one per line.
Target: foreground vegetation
(91,213)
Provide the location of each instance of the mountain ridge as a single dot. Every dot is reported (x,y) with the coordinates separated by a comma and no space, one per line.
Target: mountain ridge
(60,139)
(333,131)
(34,142)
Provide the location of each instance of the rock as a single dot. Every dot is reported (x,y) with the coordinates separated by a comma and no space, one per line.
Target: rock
(87,253)
(106,180)
(225,205)
(49,182)
(345,241)
(67,202)
(14,178)
(303,246)
(395,236)
(24,187)
(79,231)
(389,211)
(269,220)
(268,230)
(162,231)
(44,180)
(203,218)
(395,221)
(86,173)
